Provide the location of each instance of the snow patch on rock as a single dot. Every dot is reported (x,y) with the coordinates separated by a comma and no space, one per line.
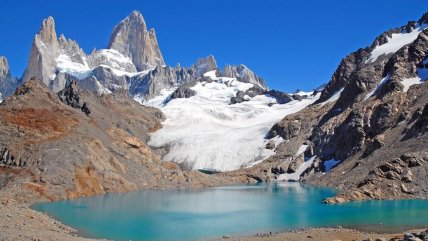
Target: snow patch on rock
(295,177)
(409,82)
(395,42)
(66,65)
(333,98)
(373,92)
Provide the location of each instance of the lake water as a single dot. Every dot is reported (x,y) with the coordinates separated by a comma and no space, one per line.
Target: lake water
(234,210)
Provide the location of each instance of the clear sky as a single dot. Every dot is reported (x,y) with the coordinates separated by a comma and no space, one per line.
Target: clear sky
(291,44)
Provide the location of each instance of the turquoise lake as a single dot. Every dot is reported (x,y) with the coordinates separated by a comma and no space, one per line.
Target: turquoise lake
(234,210)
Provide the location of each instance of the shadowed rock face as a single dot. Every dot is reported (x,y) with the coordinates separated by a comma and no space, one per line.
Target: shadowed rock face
(70,95)
(131,38)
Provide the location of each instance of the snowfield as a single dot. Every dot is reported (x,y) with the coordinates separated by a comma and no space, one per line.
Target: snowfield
(66,65)
(206,132)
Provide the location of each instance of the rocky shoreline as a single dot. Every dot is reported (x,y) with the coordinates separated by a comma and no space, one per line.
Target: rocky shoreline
(336,234)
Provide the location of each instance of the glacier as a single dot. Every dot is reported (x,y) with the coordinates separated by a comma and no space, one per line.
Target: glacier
(205,131)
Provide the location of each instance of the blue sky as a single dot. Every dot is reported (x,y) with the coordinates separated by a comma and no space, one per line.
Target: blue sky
(291,44)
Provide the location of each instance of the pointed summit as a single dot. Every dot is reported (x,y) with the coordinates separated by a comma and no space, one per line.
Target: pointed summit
(44,50)
(7,82)
(132,39)
(47,32)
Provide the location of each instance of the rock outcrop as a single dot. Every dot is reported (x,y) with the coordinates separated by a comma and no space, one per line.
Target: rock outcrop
(131,38)
(70,95)
(243,74)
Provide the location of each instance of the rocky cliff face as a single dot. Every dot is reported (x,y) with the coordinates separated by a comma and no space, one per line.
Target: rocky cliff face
(131,38)
(43,54)
(365,135)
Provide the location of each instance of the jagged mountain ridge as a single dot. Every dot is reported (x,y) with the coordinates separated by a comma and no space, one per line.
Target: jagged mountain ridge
(132,61)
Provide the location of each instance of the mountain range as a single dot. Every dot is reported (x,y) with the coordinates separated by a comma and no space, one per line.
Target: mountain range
(120,119)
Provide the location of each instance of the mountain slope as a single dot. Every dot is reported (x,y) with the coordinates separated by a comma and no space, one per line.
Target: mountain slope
(366,133)
(75,143)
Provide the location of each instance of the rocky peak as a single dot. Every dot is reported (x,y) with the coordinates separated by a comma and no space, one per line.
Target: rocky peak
(243,74)
(132,39)
(204,65)
(4,69)
(7,83)
(43,54)
(47,33)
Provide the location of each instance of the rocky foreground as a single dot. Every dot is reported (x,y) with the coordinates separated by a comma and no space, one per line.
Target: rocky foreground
(334,234)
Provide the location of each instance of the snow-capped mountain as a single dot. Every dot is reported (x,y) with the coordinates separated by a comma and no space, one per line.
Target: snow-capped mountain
(132,61)
(207,109)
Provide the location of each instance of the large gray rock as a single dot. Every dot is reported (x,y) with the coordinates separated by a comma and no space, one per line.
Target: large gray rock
(184,91)
(131,38)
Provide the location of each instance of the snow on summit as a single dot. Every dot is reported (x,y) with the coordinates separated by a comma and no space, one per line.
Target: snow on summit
(395,42)
(205,131)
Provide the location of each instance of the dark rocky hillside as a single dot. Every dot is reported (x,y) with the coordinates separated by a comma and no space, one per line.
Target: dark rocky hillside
(375,132)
